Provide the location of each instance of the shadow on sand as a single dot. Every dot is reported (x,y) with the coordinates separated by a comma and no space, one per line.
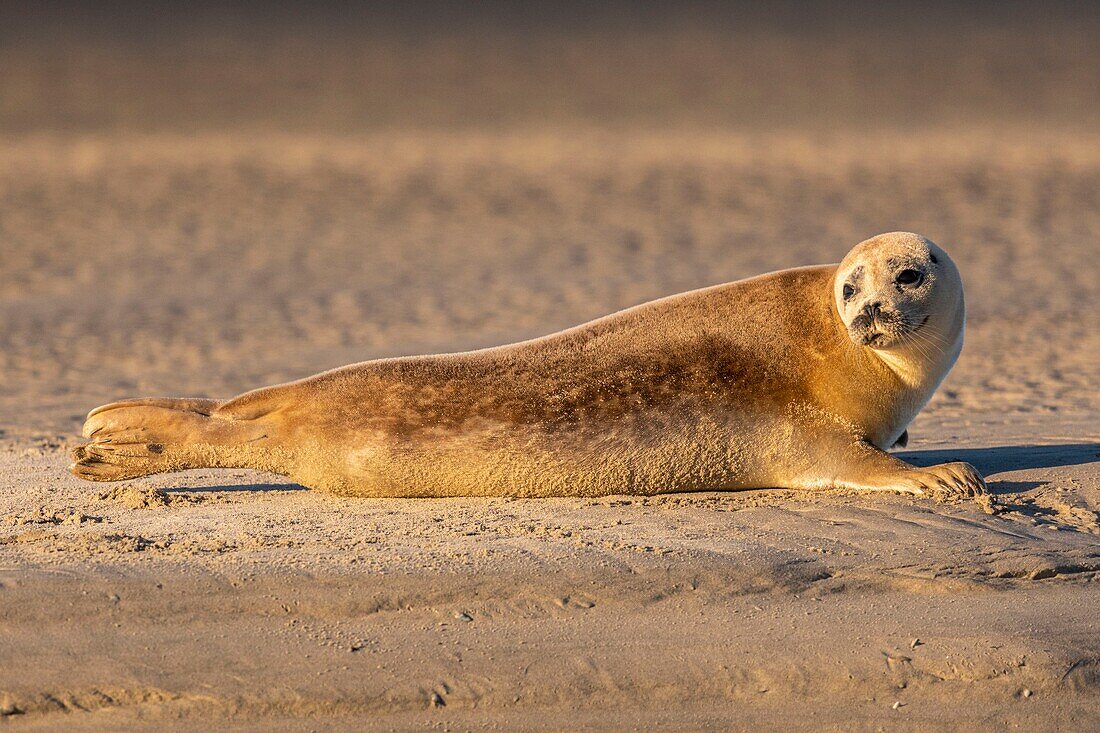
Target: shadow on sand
(1002,458)
(236,487)
(1008,457)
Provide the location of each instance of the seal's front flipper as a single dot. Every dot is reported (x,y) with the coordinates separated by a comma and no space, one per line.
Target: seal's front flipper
(146,436)
(863,467)
(945,482)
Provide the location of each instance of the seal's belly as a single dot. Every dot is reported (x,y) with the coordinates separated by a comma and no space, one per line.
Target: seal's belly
(649,453)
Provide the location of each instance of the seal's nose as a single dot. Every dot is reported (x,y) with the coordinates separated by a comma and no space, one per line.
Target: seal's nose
(872,310)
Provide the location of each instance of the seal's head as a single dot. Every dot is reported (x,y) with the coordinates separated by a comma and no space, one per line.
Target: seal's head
(899,291)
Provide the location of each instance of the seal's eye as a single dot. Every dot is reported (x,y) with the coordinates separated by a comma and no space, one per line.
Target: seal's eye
(848,291)
(909,277)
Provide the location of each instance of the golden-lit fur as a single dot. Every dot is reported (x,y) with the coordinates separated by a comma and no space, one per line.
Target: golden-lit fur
(764,382)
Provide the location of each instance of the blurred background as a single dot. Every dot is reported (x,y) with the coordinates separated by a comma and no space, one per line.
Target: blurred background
(201,198)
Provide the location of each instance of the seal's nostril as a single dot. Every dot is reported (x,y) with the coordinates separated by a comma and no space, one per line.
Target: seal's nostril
(872,309)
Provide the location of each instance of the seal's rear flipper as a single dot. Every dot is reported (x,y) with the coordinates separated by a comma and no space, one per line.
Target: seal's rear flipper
(145,436)
(201,405)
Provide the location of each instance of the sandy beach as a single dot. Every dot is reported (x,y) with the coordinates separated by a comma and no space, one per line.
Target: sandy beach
(158,238)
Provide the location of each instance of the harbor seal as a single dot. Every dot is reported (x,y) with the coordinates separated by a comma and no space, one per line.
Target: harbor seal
(798,379)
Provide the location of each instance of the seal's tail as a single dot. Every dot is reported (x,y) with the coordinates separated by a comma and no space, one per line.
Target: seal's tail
(140,437)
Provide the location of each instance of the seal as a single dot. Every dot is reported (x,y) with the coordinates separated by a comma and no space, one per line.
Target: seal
(798,379)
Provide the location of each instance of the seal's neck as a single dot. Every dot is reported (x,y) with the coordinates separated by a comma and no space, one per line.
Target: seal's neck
(922,363)
(919,368)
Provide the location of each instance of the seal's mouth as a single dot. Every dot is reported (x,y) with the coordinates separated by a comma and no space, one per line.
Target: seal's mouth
(870,339)
(878,333)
